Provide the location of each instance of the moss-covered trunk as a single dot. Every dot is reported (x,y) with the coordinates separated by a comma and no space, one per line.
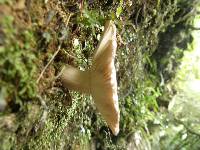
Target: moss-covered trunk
(37,38)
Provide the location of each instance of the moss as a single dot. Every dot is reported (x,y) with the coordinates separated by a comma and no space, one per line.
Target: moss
(18,75)
(18,78)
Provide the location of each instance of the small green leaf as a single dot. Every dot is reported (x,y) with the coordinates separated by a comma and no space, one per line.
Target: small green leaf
(119,11)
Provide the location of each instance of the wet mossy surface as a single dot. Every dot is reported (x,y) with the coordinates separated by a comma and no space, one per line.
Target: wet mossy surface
(37,38)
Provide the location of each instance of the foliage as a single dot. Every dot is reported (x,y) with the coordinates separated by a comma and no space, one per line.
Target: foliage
(17,61)
(17,78)
(5,1)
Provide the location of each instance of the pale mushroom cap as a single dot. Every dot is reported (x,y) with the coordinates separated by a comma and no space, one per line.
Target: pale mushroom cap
(104,82)
(106,99)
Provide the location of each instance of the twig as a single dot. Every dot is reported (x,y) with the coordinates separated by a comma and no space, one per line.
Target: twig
(71,55)
(60,73)
(44,115)
(42,102)
(54,55)
(52,58)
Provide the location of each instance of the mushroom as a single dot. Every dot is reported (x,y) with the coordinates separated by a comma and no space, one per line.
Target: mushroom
(100,80)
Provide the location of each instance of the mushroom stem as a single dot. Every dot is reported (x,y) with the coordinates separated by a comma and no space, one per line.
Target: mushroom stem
(75,79)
